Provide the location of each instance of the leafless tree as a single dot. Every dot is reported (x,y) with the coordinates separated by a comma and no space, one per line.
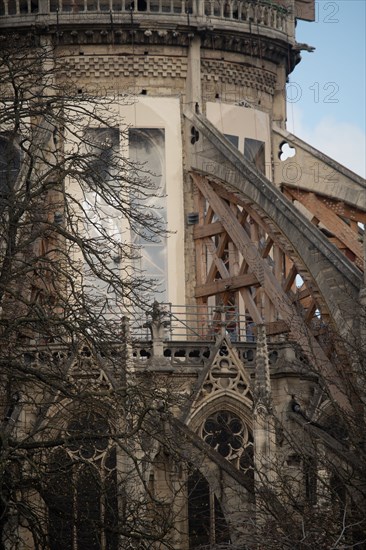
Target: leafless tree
(79,429)
(91,456)
(312,494)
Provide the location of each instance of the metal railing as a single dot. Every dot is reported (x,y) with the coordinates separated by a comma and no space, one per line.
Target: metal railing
(253,12)
(195,323)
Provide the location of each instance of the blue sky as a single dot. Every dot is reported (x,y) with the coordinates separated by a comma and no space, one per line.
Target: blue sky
(326,93)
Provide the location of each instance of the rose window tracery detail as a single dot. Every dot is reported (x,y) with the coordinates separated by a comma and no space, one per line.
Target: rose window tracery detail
(225,432)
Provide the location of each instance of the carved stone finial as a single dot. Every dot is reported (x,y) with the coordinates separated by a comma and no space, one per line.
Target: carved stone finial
(157,326)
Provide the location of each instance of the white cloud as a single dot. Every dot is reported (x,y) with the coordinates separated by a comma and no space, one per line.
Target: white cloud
(344,142)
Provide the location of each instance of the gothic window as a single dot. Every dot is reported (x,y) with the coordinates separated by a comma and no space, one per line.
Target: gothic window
(230,436)
(109,230)
(81,492)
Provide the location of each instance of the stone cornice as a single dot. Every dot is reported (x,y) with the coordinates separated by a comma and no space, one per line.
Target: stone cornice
(250,44)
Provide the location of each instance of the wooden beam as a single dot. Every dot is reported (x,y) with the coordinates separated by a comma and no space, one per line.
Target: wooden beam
(251,306)
(200,251)
(221,267)
(200,203)
(339,207)
(219,252)
(227,195)
(225,285)
(343,210)
(209,215)
(200,263)
(267,247)
(290,279)
(347,252)
(284,307)
(330,220)
(278,258)
(202,231)
(310,312)
(247,248)
(276,327)
(234,264)
(301,293)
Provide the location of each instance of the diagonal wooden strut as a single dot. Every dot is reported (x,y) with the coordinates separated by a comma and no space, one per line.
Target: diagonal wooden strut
(328,217)
(268,282)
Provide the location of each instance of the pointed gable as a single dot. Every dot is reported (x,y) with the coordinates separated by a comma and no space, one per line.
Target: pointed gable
(225,375)
(86,371)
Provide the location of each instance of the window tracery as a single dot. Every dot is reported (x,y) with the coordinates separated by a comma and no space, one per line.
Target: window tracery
(225,432)
(81,492)
(225,375)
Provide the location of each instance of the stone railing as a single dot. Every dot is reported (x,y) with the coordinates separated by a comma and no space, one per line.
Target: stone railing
(186,353)
(250,12)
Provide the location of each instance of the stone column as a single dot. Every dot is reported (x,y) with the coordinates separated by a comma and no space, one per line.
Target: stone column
(263,421)
(193,83)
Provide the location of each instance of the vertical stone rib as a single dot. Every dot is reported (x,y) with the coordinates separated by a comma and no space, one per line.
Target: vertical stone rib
(262,389)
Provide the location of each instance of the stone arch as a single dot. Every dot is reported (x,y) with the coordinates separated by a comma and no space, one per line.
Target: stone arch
(241,457)
(225,380)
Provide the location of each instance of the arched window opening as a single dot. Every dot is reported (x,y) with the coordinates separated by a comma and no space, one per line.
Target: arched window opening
(206,521)
(88,436)
(81,492)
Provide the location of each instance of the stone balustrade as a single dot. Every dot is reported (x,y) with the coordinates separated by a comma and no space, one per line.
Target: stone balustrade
(177,353)
(191,354)
(252,13)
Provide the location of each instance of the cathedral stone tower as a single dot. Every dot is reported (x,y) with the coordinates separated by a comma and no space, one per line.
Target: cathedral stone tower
(263,261)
